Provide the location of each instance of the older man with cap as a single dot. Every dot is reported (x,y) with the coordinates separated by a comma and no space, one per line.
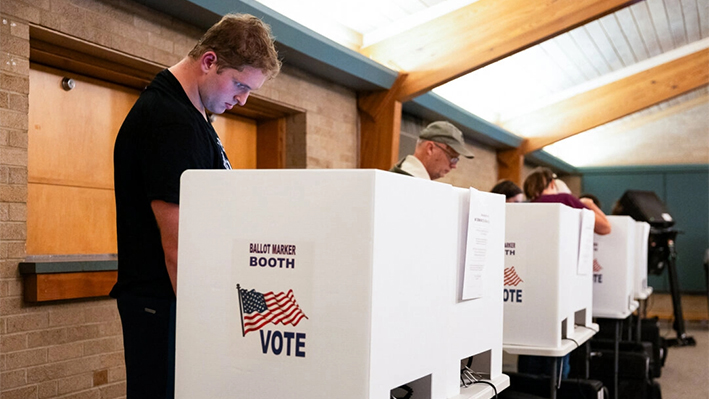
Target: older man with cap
(438,150)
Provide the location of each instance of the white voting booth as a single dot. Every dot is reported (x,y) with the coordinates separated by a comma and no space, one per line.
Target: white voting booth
(614,270)
(642,233)
(350,284)
(548,274)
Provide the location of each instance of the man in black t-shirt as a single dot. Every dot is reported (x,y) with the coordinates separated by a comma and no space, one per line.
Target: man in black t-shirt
(167,132)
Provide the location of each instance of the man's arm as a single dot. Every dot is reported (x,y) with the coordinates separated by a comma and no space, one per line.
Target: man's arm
(168,215)
(603,225)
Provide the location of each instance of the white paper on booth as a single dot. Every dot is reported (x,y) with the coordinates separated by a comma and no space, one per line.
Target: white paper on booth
(585,260)
(477,246)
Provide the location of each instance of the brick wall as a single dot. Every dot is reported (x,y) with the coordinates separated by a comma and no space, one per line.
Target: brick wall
(16,356)
(73,349)
(331,110)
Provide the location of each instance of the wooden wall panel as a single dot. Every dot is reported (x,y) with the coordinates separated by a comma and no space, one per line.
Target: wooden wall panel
(238,136)
(62,286)
(70,204)
(70,220)
(71,133)
(272,144)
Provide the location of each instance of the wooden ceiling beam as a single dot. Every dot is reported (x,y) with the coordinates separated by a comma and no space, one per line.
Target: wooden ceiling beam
(612,101)
(478,34)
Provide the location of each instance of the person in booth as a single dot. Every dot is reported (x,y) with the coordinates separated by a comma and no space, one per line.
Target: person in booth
(511,191)
(437,152)
(541,186)
(168,131)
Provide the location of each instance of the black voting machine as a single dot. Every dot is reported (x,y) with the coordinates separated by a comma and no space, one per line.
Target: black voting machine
(645,206)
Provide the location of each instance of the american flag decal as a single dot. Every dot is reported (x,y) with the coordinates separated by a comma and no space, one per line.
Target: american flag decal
(511,277)
(259,309)
(596,266)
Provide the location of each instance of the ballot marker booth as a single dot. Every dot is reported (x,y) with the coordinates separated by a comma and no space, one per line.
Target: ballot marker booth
(336,284)
(548,274)
(548,284)
(615,289)
(615,268)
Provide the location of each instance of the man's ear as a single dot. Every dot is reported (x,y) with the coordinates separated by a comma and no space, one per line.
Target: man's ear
(207,61)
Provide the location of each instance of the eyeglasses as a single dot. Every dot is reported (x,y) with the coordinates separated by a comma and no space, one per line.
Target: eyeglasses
(453,158)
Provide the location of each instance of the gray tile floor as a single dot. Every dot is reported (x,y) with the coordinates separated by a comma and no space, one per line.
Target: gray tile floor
(686,371)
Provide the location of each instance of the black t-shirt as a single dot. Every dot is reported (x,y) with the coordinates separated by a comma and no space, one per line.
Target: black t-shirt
(162,136)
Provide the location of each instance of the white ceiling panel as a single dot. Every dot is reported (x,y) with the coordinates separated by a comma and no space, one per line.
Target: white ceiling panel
(675,16)
(641,16)
(703,14)
(631,33)
(591,51)
(619,41)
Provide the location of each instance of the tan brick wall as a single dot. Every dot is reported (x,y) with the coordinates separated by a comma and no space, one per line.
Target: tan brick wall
(331,116)
(73,349)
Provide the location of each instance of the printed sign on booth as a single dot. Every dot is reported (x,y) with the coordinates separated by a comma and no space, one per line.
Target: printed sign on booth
(515,270)
(597,268)
(272,295)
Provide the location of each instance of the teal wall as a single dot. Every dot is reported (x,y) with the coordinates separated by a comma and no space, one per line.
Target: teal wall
(685,191)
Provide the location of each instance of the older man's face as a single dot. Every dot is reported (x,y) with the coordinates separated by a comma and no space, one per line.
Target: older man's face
(443,160)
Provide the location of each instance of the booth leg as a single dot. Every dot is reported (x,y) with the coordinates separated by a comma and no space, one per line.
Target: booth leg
(638,327)
(682,338)
(587,361)
(554,379)
(616,355)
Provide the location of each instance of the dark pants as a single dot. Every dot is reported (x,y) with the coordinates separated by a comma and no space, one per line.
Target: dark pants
(149,344)
(543,365)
